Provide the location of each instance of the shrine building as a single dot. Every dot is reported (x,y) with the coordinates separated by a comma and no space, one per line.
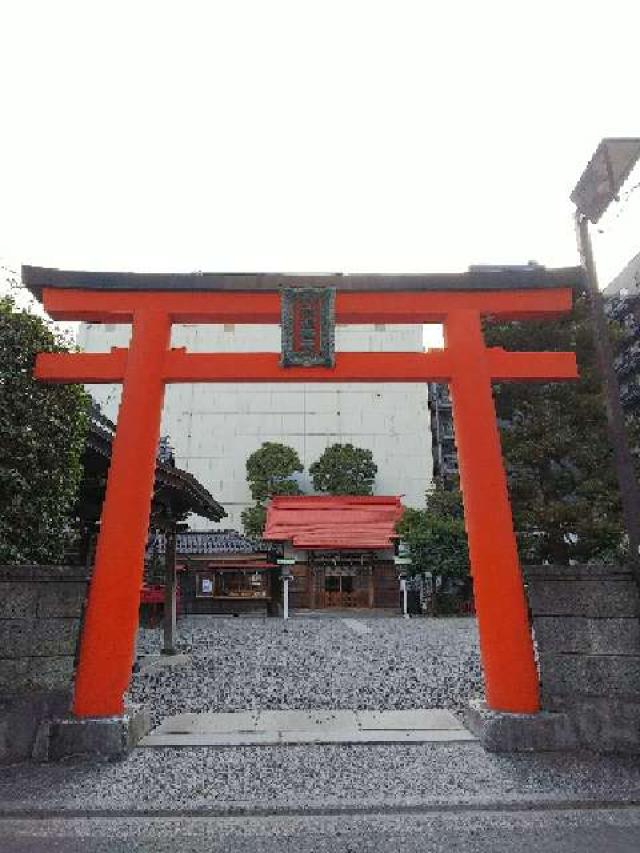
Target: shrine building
(343,548)
(222,572)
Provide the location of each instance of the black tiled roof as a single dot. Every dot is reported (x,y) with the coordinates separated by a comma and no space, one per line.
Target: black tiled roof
(208,542)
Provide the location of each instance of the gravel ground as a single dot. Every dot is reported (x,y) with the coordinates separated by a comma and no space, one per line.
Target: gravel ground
(258,663)
(314,778)
(325,663)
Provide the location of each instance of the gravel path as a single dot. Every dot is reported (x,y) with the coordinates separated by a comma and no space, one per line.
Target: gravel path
(325,663)
(314,778)
(321,797)
(364,663)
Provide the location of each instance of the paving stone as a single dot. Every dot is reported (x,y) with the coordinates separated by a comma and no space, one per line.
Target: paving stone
(160,661)
(212,739)
(432,718)
(207,723)
(307,720)
(371,736)
(320,735)
(315,726)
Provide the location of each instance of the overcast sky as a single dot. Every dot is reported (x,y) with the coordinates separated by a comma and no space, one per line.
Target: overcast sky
(310,136)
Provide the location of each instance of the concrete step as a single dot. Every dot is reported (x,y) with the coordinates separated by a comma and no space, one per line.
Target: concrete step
(252,728)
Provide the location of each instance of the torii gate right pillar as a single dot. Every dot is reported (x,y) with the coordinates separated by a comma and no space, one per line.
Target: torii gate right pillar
(511,679)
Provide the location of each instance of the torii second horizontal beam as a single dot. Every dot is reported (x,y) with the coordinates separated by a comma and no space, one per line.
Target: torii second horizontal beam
(182,366)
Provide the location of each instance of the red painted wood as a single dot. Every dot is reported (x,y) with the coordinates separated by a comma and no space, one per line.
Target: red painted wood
(111,620)
(511,678)
(333,522)
(181,366)
(238,307)
(155,594)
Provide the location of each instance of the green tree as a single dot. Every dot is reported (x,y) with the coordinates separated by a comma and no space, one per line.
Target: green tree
(436,538)
(254,519)
(344,470)
(563,489)
(270,471)
(43,429)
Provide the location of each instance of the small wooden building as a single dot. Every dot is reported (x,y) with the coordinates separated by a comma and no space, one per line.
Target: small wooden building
(343,549)
(223,572)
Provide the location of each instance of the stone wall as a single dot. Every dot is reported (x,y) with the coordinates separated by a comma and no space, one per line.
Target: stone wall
(586,621)
(586,625)
(40,615)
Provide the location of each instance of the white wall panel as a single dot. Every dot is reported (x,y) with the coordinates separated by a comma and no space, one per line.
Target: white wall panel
(214,428)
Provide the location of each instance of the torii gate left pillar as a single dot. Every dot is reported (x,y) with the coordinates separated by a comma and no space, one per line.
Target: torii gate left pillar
(108,640)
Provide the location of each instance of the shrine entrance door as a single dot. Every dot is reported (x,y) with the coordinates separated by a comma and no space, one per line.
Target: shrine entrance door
(339,591)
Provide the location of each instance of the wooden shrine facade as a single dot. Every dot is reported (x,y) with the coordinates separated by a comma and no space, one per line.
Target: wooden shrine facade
(342,580)
(153,303)
(343,547)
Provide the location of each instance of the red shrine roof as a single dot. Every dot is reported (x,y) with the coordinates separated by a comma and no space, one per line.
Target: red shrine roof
(328,522)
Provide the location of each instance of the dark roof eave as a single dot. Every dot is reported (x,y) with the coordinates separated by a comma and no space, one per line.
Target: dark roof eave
(200,501)
(476,278)
(194,495)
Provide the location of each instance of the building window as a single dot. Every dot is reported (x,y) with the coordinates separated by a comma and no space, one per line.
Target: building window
(241,584)
(205,585)
(229,327)
(338,583)
(380,327)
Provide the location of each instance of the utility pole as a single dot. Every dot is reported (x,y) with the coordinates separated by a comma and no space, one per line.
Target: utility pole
(623,460)
(170,585)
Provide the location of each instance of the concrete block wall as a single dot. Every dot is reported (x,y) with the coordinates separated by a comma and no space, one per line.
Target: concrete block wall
(586,621)
(40,616)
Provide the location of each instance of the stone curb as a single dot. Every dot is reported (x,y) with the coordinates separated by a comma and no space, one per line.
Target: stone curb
(264,809)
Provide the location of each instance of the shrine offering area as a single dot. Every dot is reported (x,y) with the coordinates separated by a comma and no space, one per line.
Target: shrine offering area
(327,662)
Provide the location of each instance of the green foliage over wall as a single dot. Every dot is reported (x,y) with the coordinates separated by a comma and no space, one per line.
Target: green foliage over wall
(344,470)
(42,429)
(562,483)
(436,535)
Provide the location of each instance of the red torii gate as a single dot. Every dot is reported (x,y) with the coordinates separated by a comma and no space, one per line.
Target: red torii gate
(152,303)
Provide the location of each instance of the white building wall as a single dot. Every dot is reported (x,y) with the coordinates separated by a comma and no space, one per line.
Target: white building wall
(215,427)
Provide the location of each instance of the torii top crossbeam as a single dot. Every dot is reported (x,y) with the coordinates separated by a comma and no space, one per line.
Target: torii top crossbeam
(152,303)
